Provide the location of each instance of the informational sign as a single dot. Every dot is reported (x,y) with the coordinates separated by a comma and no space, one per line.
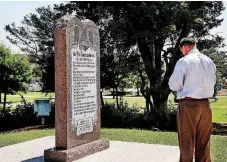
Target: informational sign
(42,107)
(84,90)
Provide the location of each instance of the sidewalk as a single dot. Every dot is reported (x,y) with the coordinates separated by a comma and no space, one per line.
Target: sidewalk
(32,151)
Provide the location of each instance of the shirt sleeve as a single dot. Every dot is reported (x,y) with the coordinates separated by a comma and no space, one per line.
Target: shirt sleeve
(176,81)
(215,70)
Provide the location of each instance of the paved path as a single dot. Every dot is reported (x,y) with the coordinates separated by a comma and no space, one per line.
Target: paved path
(32,151)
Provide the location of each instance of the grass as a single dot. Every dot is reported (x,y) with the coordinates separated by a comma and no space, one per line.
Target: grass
(141,136)
(219,115)
(134,100)
(220,103)
(29,96)
(218,143)
(22,136)
(140,101)
(219,108)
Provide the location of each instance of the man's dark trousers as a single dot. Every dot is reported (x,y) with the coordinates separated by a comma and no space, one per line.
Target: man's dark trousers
(194,124)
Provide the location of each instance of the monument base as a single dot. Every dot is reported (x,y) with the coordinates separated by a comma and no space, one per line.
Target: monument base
(75,153)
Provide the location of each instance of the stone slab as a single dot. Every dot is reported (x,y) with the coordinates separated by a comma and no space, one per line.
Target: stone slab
(75,153)
(29,151)
(77,82)
(135,152)
(32,151)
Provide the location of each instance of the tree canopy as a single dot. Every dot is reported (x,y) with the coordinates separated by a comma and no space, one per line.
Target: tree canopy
(220,60)
(36,37)
(156,28)
(15,72)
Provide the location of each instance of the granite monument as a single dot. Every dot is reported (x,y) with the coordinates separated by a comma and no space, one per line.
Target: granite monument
(77,90)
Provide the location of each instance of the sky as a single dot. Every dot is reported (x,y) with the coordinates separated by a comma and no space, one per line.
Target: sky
(14,11)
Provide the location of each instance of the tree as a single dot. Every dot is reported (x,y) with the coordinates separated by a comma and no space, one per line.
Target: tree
(134,65)
(4,52)
(131,81)
(36,35)
(36,38)
(220,60)
(15,73)
(156,28)
(113,67)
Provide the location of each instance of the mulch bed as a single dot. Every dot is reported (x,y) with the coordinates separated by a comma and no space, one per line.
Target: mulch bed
(220,129)
(222,92)
(29,128)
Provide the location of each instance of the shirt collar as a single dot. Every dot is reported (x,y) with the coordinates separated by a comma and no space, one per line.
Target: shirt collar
(193,50)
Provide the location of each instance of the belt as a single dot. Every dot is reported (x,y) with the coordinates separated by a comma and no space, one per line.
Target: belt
(190,98)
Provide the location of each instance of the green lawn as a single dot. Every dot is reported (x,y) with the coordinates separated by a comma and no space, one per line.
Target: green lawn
(21,136)
(219,108)
(140,101)
(218,143)
(220,103)
(219,115)
(29,96)
(132,101)
(135,101)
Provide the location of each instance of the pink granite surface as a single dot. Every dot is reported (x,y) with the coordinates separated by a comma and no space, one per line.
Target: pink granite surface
(68,143)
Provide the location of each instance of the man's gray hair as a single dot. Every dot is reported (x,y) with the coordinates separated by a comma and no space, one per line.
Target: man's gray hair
(188,41)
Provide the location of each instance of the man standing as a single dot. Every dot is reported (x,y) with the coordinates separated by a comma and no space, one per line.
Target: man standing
(194,79)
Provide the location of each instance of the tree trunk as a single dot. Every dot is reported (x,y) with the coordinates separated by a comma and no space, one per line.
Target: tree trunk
(113,94)
(117,100)
(138,91)
(101,96)
(149,104)
(215,93)
(145,92)
(4,103)
(148,99)
(145,95)
(160,101)
(0,97)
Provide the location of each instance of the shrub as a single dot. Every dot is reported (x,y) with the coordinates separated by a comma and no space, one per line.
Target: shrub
(123,117)
(6,118)
(22,116)
(126,117)
(111,117)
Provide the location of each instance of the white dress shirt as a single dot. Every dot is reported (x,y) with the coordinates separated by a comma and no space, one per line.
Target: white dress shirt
(193,76)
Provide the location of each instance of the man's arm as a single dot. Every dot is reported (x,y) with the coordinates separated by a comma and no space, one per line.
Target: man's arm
(176,80)
(214,73)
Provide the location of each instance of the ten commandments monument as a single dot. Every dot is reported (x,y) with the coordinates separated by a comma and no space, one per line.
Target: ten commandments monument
(77,90)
